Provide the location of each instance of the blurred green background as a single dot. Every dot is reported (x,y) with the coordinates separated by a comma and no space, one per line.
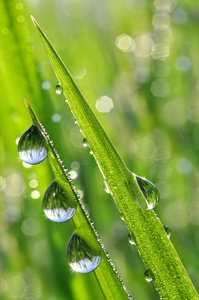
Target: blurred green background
(136,62)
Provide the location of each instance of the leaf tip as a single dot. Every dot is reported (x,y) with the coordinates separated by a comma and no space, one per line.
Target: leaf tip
(34,21)
(26,103)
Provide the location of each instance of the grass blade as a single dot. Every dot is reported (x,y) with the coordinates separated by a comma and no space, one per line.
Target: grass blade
(109,282)
(157,252)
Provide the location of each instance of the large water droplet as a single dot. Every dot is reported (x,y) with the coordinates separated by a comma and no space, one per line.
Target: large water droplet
(149,191)
(168,231)
(80,256)
(56,205)
(59,89)
(148,275)
(32,146)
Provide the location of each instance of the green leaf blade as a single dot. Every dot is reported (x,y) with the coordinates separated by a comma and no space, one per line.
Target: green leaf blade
(105,274)
(157,252)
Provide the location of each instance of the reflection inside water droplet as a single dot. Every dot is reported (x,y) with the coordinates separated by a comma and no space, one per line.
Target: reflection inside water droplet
(59,89)
(80,256)
(56,206)
(149,191)
(32,146)
(148,275)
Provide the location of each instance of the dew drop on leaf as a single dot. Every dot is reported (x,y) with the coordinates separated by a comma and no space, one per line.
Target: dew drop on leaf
(59,89)
(122,216)
(56,205)
(85,142)
(131,239)
(148,275)
(167,230)
(106,188)
(149,191)
(81,257)
(32,146)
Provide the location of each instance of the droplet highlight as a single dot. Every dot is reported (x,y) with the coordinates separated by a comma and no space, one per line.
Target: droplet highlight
(149,191)
(56,205)
(32,146)
(81,257)
(167,230)
(59,89)
(148,275)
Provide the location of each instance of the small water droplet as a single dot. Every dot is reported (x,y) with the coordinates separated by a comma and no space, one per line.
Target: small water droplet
(32,146)
(168,231)
(131,239)
(106,188)
(59,89)
(56,205)
(149,191)
(80,256)
(122,216)
(148,275)
(85,142)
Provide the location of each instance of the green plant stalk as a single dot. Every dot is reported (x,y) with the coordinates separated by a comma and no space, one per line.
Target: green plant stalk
(155,248)
(111,286)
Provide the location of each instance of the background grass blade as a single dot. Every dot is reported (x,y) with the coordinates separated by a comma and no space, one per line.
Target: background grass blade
(111,286)
(156,250)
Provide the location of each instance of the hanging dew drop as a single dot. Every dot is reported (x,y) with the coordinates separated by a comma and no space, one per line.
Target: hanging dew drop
(149,191)
(56,205)
(80,256)
(59,89)
(167,230)
(32,146)
(148,275)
